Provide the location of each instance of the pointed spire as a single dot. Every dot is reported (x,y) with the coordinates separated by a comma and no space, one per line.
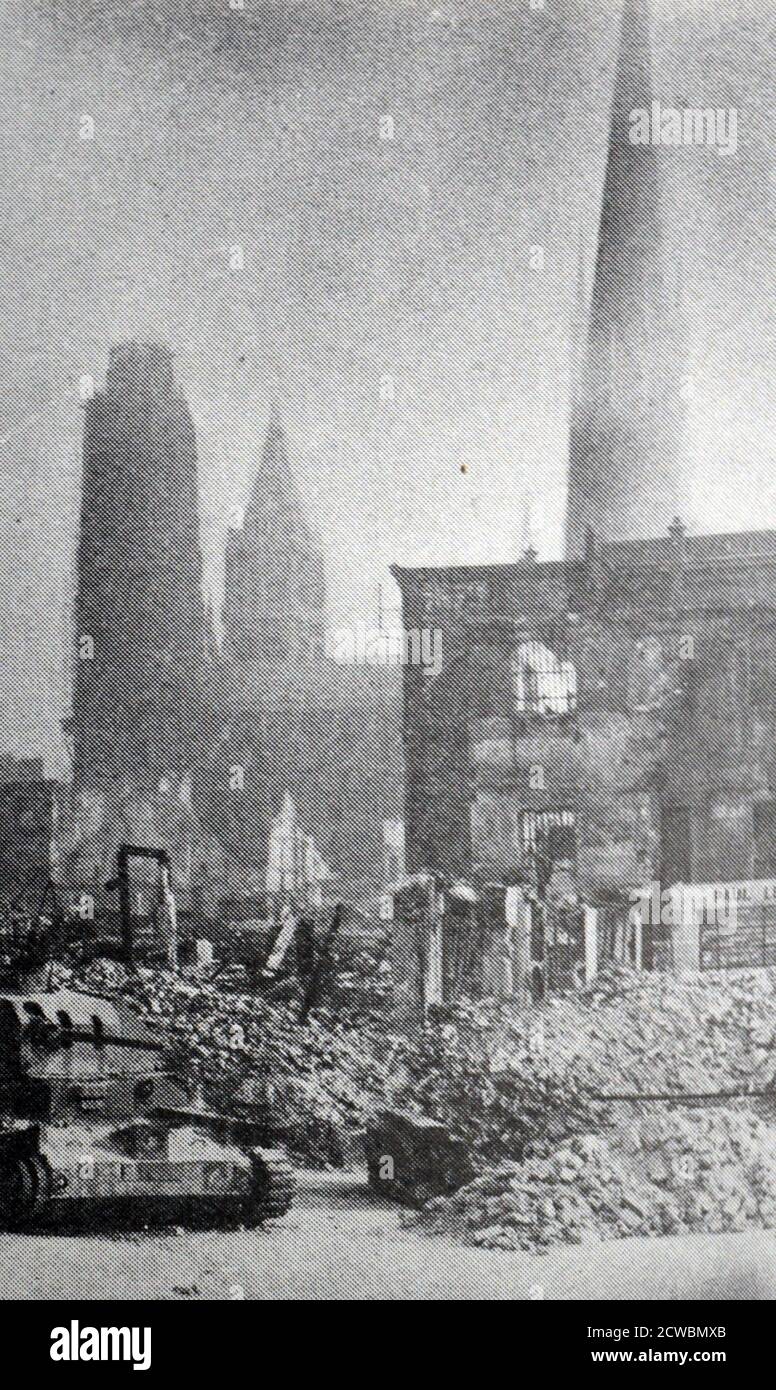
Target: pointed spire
(274,609)
(626,410)
(211,637)
(579,319)
(276,503)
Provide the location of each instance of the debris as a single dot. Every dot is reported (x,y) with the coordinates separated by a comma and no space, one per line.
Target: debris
(317,1079)
(717,1172)
(508,1084)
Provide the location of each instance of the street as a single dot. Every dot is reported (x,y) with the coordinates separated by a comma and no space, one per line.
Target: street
(340,1242)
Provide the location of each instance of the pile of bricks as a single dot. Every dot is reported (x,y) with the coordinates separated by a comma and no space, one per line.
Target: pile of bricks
(663,1173)
(710,1034)
(713,1032)
(500,1078)
(317,1079)
(503,1077)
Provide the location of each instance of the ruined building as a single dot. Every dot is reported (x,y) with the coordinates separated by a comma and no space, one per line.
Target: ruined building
(616,709)
(141,715)
(619,710)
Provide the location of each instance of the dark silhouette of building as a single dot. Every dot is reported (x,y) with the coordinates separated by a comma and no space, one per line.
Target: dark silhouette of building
(141,638)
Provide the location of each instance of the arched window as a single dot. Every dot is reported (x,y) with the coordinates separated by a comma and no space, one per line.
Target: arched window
(542,683)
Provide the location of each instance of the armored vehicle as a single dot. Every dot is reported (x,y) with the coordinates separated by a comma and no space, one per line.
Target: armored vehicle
(90,1119)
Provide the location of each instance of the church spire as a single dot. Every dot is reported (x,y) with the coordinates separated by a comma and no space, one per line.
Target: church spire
(274,608)
(625,413)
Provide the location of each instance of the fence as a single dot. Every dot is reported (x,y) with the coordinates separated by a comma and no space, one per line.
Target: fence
(449,942)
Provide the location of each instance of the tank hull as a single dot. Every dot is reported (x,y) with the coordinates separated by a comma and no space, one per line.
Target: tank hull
(54,1175)
(91,1122)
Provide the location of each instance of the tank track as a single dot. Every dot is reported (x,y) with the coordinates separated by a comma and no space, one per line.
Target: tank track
(25,1186)
(25,1183)
(274,1184)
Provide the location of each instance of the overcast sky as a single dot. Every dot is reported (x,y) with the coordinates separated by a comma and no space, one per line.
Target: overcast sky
(363,257)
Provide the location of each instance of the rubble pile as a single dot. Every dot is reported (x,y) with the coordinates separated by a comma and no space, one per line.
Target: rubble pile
(501,1078)
(710,1034)
(326,1077)
(317,1079)
(664,1173)
(484,1075)
(706,1033)
(360,977)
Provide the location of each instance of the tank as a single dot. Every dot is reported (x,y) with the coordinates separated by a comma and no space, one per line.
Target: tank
(411,1158)
(91,1122)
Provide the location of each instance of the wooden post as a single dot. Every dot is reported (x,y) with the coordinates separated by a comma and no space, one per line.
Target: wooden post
(125,906)
(168,916)
(507,980)
(518,919)
(638,940)
(685,926)
(591,943)
(434,985)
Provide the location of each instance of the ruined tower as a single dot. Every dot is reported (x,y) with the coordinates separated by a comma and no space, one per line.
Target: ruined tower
(274,604)
(140,617)
(626,405)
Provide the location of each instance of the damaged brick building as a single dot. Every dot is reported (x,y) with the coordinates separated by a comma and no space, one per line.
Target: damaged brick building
(615,708)
(618,710)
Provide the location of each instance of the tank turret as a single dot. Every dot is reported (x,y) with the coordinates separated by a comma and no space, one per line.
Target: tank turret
(91,1118)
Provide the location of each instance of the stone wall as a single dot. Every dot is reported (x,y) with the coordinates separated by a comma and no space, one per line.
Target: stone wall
(670,733)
